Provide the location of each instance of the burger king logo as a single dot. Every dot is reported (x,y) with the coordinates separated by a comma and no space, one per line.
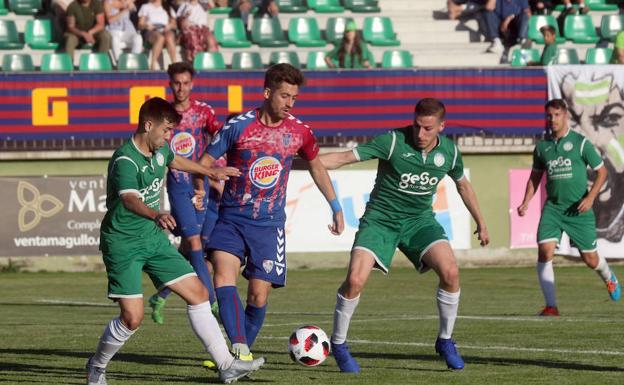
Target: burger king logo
(183,144)
(265,172)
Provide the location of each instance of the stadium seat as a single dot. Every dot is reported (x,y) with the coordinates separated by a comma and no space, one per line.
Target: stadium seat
(220,10)
(9,38)
(246,61)
(362,6)
(25,7)
(289,57)
(208,61)
(291,6)
(326,6)
(610,25)
(316,60)
(17,63)
(601,5)
(522,57)
(538,21)
(334,30)
(56,62)
(580,29)
(566,56)
(38,34)
(95,61)
(304,32)
(378,31)
(598,56)
(397,59)
(267,32)
(132,62)
(3,9)
(231,33)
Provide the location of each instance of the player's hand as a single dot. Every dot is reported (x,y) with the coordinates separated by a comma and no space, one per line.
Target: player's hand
(165,221)
(482,235)
(585,204)
(338,226)
(224,173)
(198,199)
(522,209)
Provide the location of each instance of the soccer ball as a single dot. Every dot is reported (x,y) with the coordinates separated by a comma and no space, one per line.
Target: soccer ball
(308,345)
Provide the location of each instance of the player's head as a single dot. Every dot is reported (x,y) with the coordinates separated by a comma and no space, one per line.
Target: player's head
(428,122)
(281,88)
(549,33)
(556,115)
(181,80)
(156,118)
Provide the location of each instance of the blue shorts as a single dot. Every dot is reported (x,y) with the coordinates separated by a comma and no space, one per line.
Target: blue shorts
(189,221)
(261,249)
(209,224)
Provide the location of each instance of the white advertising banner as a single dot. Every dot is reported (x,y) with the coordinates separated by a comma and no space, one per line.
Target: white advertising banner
(308,214)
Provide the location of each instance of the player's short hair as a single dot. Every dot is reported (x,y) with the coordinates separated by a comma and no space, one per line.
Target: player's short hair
(283,72)
(430,107)
(547,28)
(158,110)
(557,104)
(180,68)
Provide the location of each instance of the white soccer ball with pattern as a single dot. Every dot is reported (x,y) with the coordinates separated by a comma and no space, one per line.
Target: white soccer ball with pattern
(308,345)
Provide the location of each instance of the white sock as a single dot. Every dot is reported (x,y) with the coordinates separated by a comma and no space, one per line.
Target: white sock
(447,309)
(603,269)
(342,317)
(114,336)
(207,330)
(546,277)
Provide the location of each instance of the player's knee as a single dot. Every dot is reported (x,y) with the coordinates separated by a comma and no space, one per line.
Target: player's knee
(449,276)
(257,300)
(132,320)
(353,285)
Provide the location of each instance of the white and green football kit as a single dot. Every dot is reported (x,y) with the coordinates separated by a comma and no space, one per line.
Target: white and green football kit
(565,163)
(399,212)
(130,243)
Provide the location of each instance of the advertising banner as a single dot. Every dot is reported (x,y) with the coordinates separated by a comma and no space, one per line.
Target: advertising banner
(524,229)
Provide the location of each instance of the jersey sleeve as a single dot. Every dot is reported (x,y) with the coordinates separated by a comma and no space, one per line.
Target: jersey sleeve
(309,149)
(380,147)
(223,140)
(590,155)
(538,162)
(212,123)
(124,176)
(457,167)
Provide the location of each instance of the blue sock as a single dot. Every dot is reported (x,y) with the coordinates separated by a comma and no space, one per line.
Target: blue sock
(232,314)
(164,293)
(254,318)
(196,257)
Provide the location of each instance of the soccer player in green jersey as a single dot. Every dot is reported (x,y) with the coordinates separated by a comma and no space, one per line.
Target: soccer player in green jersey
(412,161)
(564,156)
(132,241)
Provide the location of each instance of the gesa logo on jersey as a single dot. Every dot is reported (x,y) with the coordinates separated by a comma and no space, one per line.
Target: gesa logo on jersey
(265,172)
(183,144)
(422,182)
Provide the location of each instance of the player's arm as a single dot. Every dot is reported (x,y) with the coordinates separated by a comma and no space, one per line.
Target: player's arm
(323,182)
(466,192)
(133,202)
(218,173)
(586,203)
(334,160)
(529,192)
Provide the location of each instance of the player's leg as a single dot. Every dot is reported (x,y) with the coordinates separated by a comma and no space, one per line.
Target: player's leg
(548,236)
(255,312)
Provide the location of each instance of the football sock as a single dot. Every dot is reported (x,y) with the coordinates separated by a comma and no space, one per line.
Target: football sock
(232,314)
(196,257)
(206,327)
(603,269)
(114,336)
(546,277)
(164,293)
(254,318)
(447,309)
(342,317)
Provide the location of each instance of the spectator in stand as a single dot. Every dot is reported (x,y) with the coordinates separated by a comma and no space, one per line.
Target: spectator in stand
(158,23)
(121,28)
(242,8)
(196,36)
(85,25)
(550,46)
(351,52)
(508,22)
(59,11)
(570,10)
(618,51)
(463,8)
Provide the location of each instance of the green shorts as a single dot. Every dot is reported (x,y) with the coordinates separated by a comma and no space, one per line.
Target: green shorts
(580,227)
(413,236)
(155,255)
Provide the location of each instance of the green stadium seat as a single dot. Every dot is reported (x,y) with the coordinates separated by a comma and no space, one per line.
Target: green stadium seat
(95,61)
(610,25)
(566,56)
(25,7)
(362,6)
(305,32)
(580,29)
(231,33)
(209,61)
(397,59)
(538,21)
(326,6)
(522,57)
(38,34)
(132,62)
(56,62)
(267,32)
(289,57)
(598,56)
(602,5)
(291,6)
(247,61)
(9,38)
(378,31)
(3,9)
(17,63)
(316,60)
(220,10)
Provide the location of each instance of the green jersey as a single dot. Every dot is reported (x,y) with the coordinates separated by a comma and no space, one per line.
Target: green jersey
(131,171)
(407,177)
(565,162)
